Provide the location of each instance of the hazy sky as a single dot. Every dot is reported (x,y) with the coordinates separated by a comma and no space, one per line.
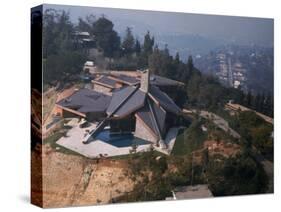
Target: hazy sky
(243,30)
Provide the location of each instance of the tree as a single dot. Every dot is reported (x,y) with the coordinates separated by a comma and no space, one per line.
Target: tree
(137,47)
(107,39)
(148,44)
(236,176)
(160,62)
(147,50)
(60,57)
(128,44)
(249,99)
(57,32)
(177,58)
(258,103)
(268,105)
(190,63)
(83,25)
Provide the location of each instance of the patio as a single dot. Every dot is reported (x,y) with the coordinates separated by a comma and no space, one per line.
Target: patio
(96,148)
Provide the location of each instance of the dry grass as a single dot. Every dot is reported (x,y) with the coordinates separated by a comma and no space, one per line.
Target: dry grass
(70,180)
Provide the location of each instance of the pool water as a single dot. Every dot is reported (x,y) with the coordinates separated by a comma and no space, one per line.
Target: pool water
(120,140)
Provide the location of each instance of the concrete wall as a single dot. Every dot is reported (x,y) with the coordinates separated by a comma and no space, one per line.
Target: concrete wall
(143,132)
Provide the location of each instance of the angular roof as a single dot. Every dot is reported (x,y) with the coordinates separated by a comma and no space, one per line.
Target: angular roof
(150,106)
(126,79)
(153,116)
(126,101)
(86,100)
(163,81)
(106,81)
(164,100)
(159,114)
(145,115)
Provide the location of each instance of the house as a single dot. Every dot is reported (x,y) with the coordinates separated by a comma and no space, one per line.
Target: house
(84,103)
(89,67)
(140,108)
(84,38)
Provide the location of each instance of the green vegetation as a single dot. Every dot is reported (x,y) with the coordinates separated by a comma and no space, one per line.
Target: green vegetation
(190,140)
(64,57)
(255,131)
(155,174)
(61,57)
(150,167)
(236,176)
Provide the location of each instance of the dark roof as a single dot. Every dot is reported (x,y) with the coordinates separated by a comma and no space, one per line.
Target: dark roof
(150,108)
(153,116)
(163,81)
(127,79)
(126,101)
(154,80)
(160,116)
(145,114)
(106,80)
(86,100)
(164,100)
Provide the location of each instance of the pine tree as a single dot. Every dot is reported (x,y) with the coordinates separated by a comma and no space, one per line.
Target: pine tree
(177,58)
(128,44)
(106,37)
(146,50)
(258,103)
(190,65)
(148,43)
(137,47)
(249,99)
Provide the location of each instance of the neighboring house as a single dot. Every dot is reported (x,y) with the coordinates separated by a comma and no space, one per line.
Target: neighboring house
(191,192)
(84,38)
(89,67)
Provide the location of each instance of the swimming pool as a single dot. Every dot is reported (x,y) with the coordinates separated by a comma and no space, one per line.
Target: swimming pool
(120,140)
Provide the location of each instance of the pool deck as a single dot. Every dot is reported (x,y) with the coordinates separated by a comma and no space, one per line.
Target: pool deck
(98,148)
(95,148)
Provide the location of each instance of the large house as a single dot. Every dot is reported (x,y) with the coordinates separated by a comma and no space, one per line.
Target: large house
(132,104)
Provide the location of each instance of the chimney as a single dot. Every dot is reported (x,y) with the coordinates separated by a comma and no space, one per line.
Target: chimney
(145,78)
